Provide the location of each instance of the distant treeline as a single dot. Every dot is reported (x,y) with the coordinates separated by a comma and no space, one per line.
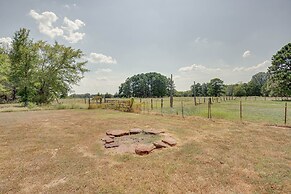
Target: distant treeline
(257,86)
(275,82)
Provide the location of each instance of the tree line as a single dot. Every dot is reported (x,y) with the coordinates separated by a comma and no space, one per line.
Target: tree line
(275,82)
(38,72)
(257,86)
(146,85)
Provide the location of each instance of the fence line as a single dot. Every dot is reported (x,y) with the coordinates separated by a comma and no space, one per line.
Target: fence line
(221,110)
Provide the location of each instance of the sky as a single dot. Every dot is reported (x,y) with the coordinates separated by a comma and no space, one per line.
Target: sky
(193,40)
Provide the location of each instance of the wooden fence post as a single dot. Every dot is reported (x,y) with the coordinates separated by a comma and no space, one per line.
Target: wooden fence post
(285,120)
(162,104)
(89,101)
(209,108)
(171,92)
(240,110)
(182,109)
(152,105)
(194,94)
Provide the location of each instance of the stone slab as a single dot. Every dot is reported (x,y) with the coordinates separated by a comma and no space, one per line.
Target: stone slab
(135,131)
(153,131)
(117,133)
(169,140)
(160,144)
(111,145)
(143,149)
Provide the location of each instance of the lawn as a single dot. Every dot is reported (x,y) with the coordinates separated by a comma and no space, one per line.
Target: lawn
(60,151)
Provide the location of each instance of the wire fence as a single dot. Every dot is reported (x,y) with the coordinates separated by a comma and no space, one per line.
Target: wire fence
(254,109)
(268,110)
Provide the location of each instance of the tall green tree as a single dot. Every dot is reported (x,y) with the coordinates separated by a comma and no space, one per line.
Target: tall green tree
(23,57)
(4,75)
(254,87)
(145,85)
(215,87)
(204,89)
(198,89)
(280,72)
(239,90)
(59,67)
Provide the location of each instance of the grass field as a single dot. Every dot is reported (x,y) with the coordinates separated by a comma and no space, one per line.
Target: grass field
(269,111)
(59,151)
(254,109)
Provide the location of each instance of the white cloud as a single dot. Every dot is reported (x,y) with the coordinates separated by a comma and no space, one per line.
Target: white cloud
(70,27)
(69,6)
(195,67)
(103,79)
(100,58)
(68,31)
(176,77)
(201,40)
(261,66)
(45,22)
(106,70)
(246,54)
(5,43)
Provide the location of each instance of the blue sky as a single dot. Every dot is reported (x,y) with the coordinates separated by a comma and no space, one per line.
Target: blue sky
(193,40)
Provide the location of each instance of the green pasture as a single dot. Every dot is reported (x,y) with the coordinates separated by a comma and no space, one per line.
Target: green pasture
(254,109)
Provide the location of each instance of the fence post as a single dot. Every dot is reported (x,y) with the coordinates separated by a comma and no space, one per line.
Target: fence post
(209,108)
(85,101)
(171,92)
(89,101)
(240,110)
(182,109)
(285,120)
(156,103)
(162,104)
(152,105)
(194,94)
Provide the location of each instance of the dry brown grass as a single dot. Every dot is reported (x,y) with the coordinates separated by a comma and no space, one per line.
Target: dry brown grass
(61,152)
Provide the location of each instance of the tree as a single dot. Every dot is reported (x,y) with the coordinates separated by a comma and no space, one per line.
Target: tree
(280,72)
(4,76)
(204,89)
(254,87)
(239,90)
(230,90)
(23,58)
(40,72)
(59,67)
(198,89)
(145,85)
(215,87)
